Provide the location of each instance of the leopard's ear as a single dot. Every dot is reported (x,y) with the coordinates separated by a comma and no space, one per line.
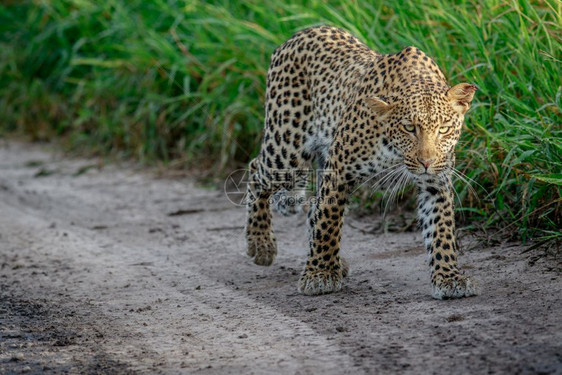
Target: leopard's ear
(379,106)
(460,96)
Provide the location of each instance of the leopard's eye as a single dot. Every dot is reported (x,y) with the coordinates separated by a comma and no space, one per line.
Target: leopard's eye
(409,128)
(445,129)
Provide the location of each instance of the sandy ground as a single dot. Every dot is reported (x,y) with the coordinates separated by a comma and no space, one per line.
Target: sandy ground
(113,270)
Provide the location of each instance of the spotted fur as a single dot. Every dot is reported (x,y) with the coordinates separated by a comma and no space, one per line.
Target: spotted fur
(362,117)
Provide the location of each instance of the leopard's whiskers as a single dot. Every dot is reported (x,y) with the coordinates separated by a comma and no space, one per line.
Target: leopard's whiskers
(386,178)
(401,179)
(378,174)
(468,181)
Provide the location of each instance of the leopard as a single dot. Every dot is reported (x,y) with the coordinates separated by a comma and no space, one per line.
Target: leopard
(357,116)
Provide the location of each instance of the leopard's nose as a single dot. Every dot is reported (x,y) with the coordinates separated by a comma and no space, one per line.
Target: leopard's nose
(426,162)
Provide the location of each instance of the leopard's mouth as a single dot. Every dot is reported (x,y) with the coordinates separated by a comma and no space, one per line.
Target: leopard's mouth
(418,169)
(422,173)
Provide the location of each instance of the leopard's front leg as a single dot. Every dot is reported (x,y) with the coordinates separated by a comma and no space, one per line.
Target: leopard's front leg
(437,220)
(325,268)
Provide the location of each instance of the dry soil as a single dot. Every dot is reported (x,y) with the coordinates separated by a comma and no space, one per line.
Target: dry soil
(111,269)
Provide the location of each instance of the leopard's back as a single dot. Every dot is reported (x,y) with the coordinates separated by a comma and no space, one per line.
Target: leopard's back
(311,79)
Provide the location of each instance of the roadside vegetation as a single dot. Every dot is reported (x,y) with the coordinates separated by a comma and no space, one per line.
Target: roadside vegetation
(182,82)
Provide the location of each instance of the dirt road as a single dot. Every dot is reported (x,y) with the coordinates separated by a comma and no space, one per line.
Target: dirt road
(113,270)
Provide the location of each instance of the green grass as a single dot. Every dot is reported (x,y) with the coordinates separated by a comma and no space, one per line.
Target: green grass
(184,81)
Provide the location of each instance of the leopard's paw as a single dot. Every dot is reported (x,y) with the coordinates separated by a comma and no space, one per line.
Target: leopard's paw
(457,286)
(320,282)
(262,249)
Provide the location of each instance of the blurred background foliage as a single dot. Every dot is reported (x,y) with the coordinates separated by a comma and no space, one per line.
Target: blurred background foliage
(182,82)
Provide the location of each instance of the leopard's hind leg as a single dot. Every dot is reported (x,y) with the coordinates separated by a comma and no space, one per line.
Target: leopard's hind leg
(262,245)
(278,166)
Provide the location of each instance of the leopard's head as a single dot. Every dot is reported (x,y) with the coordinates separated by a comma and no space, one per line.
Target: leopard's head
(425,127)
